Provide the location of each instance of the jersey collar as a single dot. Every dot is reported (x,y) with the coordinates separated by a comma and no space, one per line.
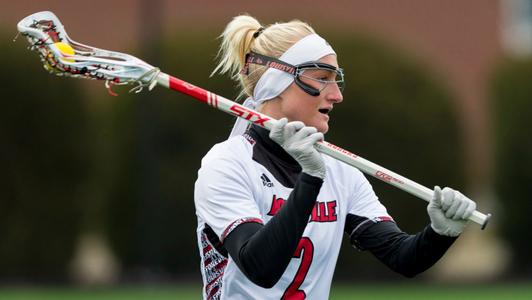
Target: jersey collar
(262,136)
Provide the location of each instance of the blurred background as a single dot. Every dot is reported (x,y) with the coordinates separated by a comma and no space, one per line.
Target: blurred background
(97,191)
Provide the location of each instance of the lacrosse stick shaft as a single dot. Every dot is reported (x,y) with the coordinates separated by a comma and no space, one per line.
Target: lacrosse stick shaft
(324,147)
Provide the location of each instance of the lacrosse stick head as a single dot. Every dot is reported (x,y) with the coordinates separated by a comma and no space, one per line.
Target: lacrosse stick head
(47,36)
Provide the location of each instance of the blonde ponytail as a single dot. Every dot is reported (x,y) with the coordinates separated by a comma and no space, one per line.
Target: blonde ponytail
(238,40)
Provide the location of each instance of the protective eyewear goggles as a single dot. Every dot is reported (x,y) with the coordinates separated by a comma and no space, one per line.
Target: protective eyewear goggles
(311,77)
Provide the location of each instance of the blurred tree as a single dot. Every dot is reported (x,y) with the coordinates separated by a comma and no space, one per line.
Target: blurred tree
(43,157)
(512,108)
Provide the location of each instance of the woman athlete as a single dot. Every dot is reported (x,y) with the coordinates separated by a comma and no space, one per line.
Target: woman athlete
(271,210)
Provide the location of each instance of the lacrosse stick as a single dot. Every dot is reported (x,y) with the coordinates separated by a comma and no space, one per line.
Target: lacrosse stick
(65,57)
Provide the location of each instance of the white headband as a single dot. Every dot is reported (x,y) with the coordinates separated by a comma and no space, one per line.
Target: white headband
(273,82)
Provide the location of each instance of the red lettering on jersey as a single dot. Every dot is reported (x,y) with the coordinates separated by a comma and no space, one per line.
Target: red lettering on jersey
(324,212)
(277,203)
(314,216)
(331,211)
(321,212)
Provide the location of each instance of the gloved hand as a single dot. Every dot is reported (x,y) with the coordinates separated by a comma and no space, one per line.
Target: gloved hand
(298,140)
(449,211)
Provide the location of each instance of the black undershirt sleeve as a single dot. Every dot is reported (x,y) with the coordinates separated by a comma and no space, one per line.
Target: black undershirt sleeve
(262,252)
(406,254)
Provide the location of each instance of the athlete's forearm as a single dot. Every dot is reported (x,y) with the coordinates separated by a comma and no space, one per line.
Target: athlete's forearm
(263,252)
(406,254)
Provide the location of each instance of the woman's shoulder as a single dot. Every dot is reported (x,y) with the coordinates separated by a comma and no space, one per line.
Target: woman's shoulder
(235,148)
(341,169)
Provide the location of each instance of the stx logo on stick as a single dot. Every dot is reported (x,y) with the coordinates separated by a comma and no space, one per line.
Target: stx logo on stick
(248,114)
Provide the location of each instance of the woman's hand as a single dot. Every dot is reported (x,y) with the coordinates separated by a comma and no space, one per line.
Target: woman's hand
(298,140)
(449,211)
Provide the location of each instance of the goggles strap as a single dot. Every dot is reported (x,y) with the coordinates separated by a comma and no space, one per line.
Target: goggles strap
(271,62)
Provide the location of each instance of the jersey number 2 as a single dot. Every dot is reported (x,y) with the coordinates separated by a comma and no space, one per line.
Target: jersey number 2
(305,251)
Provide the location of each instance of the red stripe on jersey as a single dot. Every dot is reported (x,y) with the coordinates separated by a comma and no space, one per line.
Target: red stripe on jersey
(207,249)
(207,261)
(213,294)
(383,219)
(211,291)
(214,265)
(236,223)
(221,265)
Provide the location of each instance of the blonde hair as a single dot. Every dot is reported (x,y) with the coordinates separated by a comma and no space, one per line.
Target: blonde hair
(238,40)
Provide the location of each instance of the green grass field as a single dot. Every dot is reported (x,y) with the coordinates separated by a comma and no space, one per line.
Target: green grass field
(339,292)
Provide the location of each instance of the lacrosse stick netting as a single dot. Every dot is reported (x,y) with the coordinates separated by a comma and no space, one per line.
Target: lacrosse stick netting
(48,37)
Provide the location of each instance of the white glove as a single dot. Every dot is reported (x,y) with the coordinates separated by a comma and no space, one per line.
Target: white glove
(298,140)
(449,211)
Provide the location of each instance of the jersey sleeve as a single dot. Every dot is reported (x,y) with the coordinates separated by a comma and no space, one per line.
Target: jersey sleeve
(223,196)
(365,208)
(364,202)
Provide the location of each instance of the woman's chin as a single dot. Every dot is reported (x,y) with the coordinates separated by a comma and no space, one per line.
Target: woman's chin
(323,127)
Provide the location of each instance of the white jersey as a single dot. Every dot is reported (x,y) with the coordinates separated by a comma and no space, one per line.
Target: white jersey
(233,188)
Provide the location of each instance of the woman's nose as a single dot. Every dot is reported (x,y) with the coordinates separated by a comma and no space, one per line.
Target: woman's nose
(334,93)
